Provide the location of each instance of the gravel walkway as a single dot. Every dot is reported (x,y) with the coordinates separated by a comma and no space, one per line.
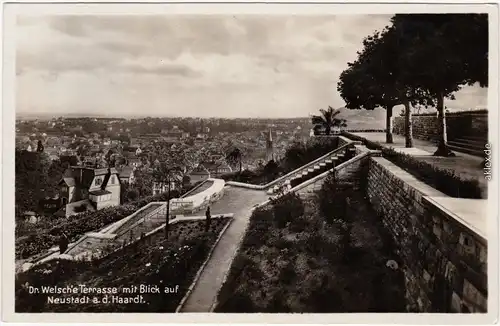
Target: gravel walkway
(239,201)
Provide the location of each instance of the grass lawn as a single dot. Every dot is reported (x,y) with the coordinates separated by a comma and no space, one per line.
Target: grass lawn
(465,165)
(153,261)
(310,265)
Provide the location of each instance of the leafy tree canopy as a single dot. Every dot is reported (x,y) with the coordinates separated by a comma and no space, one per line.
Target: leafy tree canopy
(444,51)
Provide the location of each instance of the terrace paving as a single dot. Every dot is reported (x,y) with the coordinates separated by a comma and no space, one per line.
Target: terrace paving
(239,201)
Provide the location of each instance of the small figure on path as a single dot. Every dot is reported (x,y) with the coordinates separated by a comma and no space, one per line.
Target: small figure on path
(63,243)
(209,217)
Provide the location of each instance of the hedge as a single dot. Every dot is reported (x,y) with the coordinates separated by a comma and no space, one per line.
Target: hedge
(444,180)
(455,113)
(366,130)
(75,226)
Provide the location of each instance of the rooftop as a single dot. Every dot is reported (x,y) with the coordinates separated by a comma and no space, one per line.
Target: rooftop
(100,192)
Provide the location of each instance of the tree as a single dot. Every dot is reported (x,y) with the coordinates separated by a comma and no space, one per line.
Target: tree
(446,51)
(235,156)
(166,174)
(327,119)
(36,176)
(360,90)
(379,78)
(186,181)
(271,170)
(39,147)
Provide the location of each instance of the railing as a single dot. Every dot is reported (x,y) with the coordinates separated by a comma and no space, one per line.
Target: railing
(286,176)
(286,188)
(160,211)
(123,221)
(334,169)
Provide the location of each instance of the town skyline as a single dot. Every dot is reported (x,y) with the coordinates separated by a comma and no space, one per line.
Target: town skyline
(194,66)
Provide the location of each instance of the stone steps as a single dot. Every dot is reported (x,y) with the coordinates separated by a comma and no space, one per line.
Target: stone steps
(310,172)
(458,148)
(464,144)
(470,144)
(478,143)
(480,138)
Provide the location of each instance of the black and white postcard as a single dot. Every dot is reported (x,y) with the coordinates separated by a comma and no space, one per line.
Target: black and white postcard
(324,162)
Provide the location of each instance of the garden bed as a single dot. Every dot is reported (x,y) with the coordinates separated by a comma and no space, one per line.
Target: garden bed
(152,261)
(291,261)
(38,237)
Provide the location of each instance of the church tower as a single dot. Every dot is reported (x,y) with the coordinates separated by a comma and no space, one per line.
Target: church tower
(269,147)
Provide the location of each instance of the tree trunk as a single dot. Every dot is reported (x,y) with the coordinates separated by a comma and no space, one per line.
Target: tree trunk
(240,164)
(408,125)
(167,218)
(328,128)
(388,125)
(442,149)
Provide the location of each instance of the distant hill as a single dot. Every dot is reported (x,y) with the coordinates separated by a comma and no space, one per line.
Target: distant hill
(363,119)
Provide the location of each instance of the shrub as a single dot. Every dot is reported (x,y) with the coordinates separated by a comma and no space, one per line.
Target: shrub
(80,208)
(239,303)
(299,224)
(332,199)
(278,303)
(258,230)
(299,153)
(366,130)
(247,176)
(287,208)
(287,274)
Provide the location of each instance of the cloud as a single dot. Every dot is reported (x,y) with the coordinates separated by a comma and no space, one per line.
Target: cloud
(163,69)
(232,65)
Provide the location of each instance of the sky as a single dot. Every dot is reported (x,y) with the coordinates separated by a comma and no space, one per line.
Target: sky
(205,66)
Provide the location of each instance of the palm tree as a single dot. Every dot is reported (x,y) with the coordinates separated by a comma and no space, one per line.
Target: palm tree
(327,119)
(234,156)
(165,174)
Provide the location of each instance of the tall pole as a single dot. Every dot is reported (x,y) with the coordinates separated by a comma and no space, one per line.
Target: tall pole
(168,209)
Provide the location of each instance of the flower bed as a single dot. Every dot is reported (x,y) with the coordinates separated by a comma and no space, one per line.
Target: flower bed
(152,261)
(47,232)
(444,180)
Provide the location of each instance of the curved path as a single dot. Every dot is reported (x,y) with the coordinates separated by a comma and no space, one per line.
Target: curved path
(239,201)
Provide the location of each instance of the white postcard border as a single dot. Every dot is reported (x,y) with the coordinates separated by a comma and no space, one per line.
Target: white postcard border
(292,7)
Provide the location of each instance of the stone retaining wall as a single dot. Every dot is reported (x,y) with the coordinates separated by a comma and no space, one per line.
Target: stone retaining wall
(443,260)
(458,124)
(352,171)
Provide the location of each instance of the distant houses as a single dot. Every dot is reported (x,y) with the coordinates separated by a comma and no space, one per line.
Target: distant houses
(200,173)
(217,168)
(162,187)
(126,174)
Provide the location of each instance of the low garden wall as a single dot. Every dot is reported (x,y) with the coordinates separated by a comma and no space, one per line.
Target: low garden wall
(103,241)
(444,261)
(425,126)
(200,200)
